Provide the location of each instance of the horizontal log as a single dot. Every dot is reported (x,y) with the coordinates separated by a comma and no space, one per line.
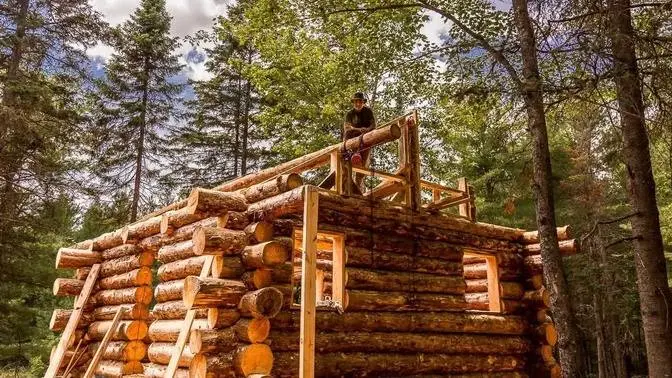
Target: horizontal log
(391,364)
(480,302)
(214,202)
(155,242)
(386,342)
(245,360)
(267,254)
(228,339)
(169,291)
(160,353)
(379,280)
(152,370)
(175,310)
(64,287)
(262,303)
(535,281)
(141,230)
(140,294)
(227,267)
(530,237)
(60,317)
(174,252)
(567,248)
(270,188)
(107,240)
(127,330)
(359,300)
(259,232)
(68,258)
(168,330)
(272,208)
(222,317)
(81,273)
(125,264)
(540,298)
(134,311)
(172,220)
(212,292)
(120,251)
(117,369)
(438,322)
(134,350)
(533,265)
(363,258)
(507,289)
(136,277)
(258,278)
(478,271)
(191,266)
(546,332)
(217,241)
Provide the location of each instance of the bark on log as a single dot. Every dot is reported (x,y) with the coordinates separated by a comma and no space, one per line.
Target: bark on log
(67,258)
(169,291)
(235,221)
(259,232)
(136,277)
(60,317)
(140,294)
(175,310)
(262,303)
(228,339)
(530,237)
(121,350)
(386,342)
(120,251)
(191,266)
(246,360)
(141,230)
(175,219)
(168,330)
(480,302)
(217,241)
(266,254)
(272,188)
(441,322)
(125,264)
(258,278)
(537,298)
(227,267)
(290,202)
(359,300)
(378,280)
(127,330)
(546,333)
(252,330)
(160,353)
(535,282)
(153,243)
(478,271)
(135,311)
(567,248)
(533,265)
(363,258)
(64,287)
(212,292)
(390,364)
(152,370)
(174,252)
(117,369)
(81,273)
(214,202)
(222,317)
(107,240)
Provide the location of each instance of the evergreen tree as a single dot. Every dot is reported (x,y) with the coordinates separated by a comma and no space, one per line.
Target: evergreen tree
(137,101)
(217,141)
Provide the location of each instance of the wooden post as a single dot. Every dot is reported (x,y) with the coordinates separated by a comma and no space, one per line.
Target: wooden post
(415,201)
(57,360)
(308,289)
(465,208)
(338,270)
(186,326)
(495,304)
(103,344)
(337,169)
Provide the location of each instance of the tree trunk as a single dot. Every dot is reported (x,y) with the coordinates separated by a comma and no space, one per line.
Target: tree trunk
(654,293)
(569,346)
(141,144)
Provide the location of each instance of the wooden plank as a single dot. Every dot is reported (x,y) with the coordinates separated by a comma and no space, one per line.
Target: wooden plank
(338,271)
(380,174)
(186,326)
(432,185)
(337,169)
(57,360)
(308,289)
(493,283)
(103,344)
(447,202)
(415,195)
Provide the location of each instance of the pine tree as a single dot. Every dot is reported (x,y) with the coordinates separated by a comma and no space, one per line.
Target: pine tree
(138,98)
(219,133)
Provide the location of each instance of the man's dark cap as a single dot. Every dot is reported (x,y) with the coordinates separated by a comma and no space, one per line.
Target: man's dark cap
(358,96)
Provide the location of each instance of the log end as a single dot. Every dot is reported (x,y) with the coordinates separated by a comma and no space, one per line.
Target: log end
(257,330)
(222,318)
(164,226)
(191,287)
(263,303)
(275,253)
(254,359)
(294,180)
(198,241)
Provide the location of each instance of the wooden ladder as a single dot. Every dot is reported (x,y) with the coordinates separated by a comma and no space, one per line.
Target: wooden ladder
(75,317)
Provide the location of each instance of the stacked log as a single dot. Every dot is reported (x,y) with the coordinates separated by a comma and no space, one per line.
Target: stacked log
(509,267)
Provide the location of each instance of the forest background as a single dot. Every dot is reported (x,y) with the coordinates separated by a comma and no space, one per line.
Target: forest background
(101,123)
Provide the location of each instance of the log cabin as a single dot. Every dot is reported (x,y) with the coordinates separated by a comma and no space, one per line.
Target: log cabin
(267,275)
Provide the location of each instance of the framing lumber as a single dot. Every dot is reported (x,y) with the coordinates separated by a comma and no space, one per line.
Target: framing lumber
(308,287)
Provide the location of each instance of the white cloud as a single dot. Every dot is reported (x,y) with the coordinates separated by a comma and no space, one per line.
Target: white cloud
(100,51)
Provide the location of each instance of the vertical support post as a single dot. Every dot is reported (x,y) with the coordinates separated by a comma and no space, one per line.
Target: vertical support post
(464,208)
(336,167)
(436,195)
(415,201)
(472,203)
(495,304)
(308,277)
(338,271)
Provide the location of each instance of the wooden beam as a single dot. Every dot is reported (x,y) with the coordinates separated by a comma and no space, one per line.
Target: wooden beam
(495,303)
(447,202)
(57,360)
(381,174)
(415,195)
(103,344)
(465,209)
(336,168)
(308,289)
(432,185)
(186,326)
(338,271)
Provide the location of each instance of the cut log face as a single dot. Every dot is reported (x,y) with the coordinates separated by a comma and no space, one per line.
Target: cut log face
(258,278)
(76,258)
(262,303)
(212,292)
(217,241)
(259,232)
(266,254)
(136,277)
(246,360)
(222,317)
(540,298)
